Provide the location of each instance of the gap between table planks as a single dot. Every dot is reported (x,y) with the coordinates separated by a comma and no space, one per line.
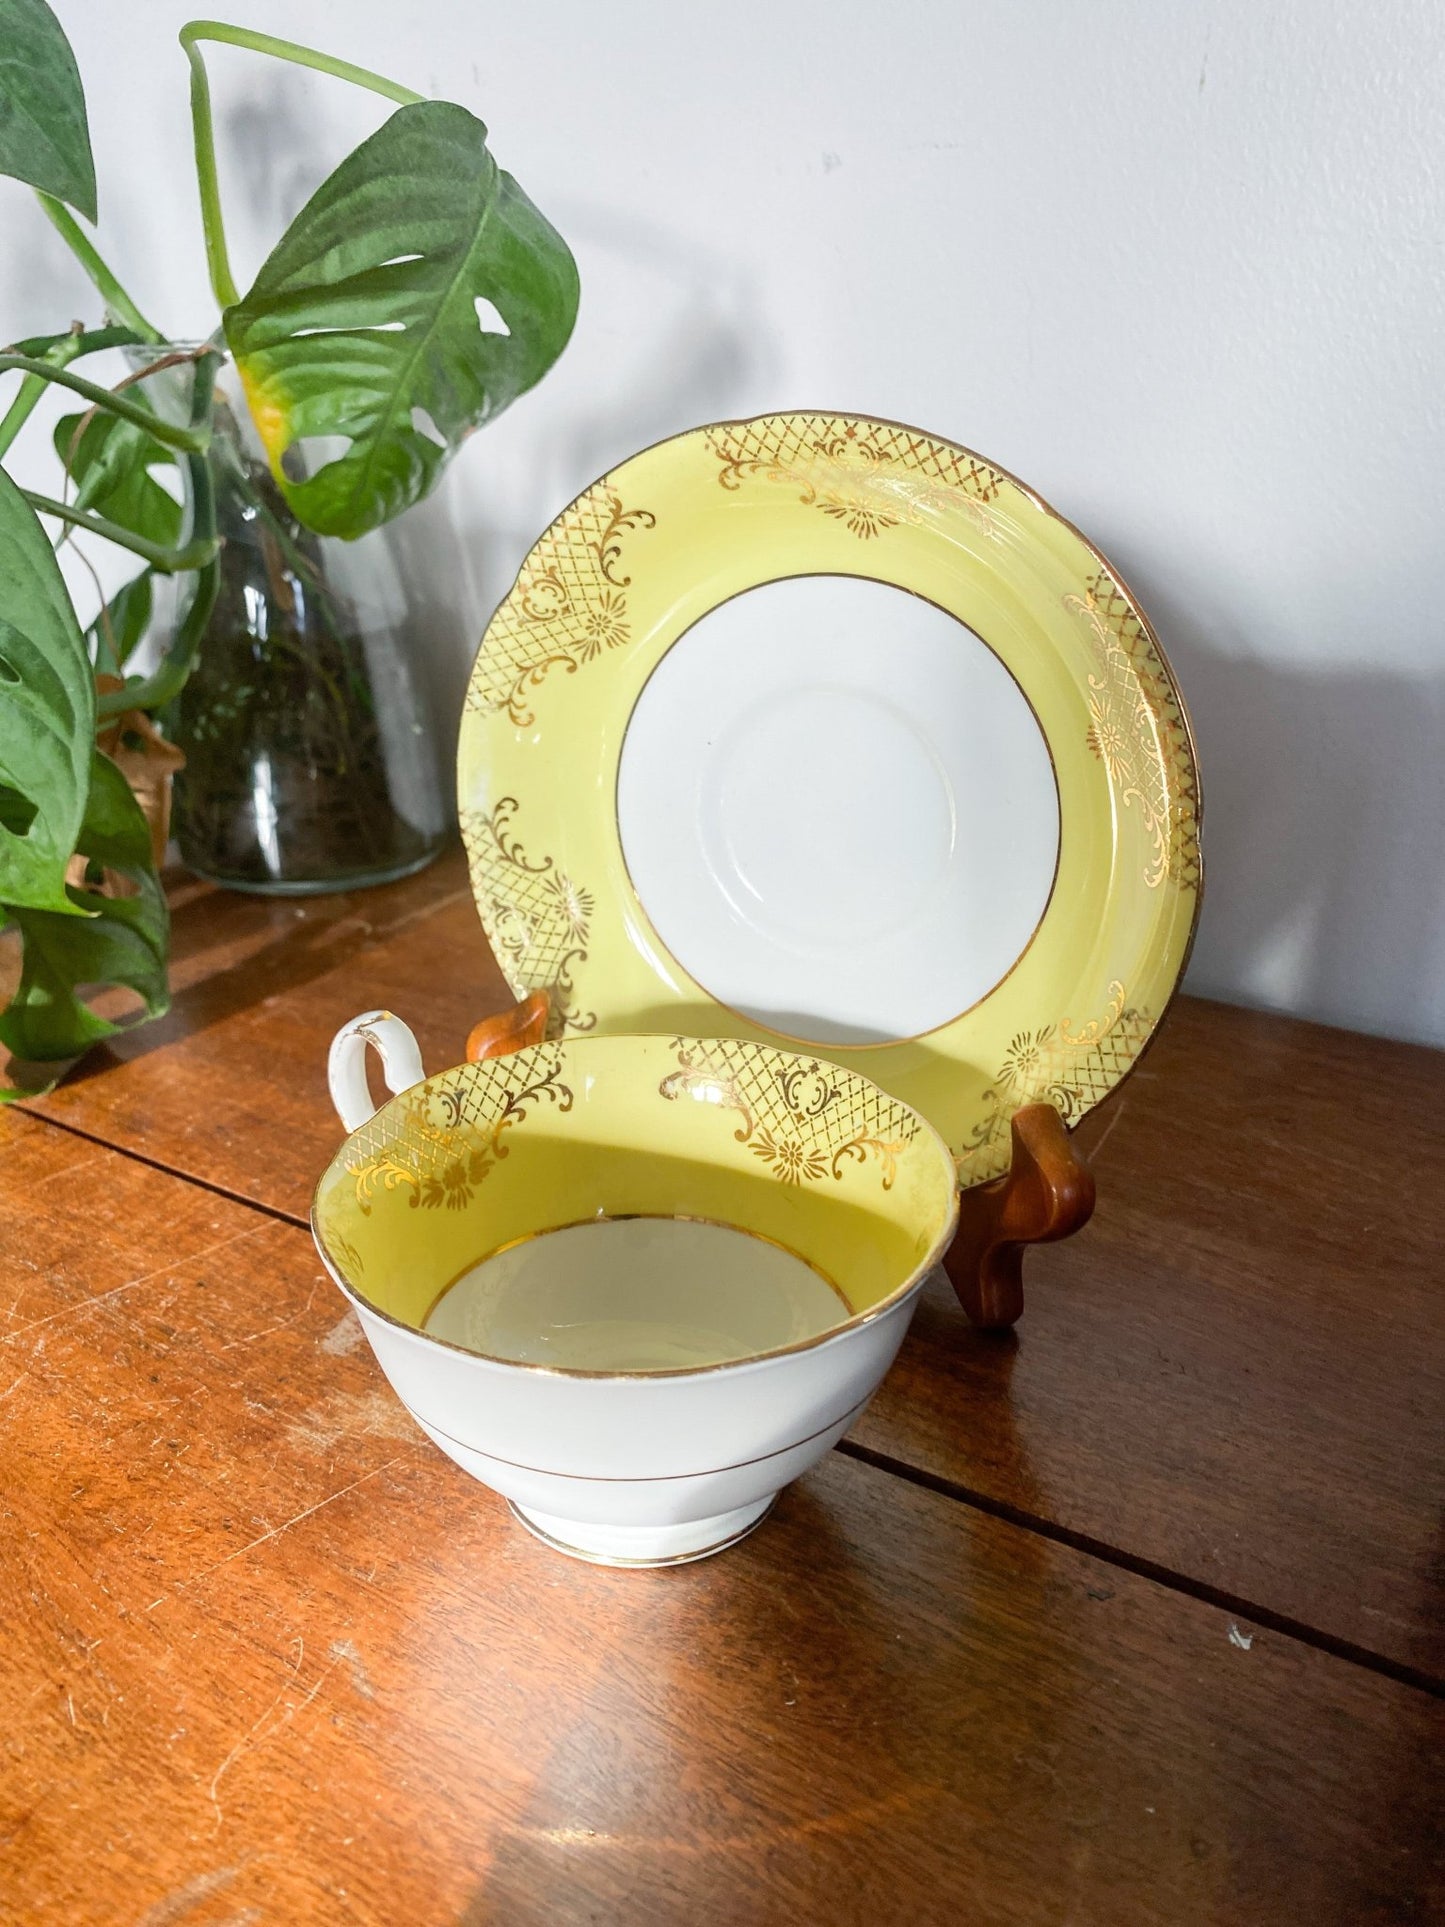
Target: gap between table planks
(268,1654)
(1234,1378)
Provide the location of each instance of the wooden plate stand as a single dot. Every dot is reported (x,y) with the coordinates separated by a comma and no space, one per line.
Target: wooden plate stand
(1046,1193)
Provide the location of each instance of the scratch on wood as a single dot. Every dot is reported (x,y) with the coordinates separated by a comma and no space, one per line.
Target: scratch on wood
(276,1531)
(85,1304)
(346,1649)
(1108,1130)
(176,1906)
(255,1736)
(350,1415)
(280,1325)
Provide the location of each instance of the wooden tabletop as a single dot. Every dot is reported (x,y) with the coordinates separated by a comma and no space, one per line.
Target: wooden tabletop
(1135,1615)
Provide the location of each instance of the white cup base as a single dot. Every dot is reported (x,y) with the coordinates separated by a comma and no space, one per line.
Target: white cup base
(671,1545)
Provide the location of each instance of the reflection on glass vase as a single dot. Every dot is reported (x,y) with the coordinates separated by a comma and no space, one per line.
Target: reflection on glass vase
(311,762)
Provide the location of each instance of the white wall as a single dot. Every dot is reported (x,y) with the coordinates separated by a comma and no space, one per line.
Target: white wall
(1178,265)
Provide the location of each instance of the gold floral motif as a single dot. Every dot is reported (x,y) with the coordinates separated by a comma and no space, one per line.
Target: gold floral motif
(1138,732)
(863,519)
(1054,1064)
(439,1143)
(869,476)
(538,917)
(605,625)
(567,607)
(804,1121)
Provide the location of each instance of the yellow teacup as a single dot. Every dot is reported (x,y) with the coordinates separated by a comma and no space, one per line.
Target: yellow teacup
(635,1284)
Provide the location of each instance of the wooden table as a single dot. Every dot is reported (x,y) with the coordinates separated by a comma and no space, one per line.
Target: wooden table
(1135,1615)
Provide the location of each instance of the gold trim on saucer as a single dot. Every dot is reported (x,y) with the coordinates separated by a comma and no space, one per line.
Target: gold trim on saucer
(539,917)
(568,606)
(707,515)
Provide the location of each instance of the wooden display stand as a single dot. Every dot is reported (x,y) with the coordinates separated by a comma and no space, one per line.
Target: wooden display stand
(1047,1192)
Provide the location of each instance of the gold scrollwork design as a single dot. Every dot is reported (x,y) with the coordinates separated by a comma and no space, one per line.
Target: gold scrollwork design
(538,917)
(870,476)
(567,608)
(608,544)
(805,1121)
(347,1252)
(1138,732)
(1072,1069)
(443,1144)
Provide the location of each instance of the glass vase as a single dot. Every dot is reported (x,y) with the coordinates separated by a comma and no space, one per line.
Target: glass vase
(311,756)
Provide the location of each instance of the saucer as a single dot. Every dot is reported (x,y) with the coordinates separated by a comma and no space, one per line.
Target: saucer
(821,731)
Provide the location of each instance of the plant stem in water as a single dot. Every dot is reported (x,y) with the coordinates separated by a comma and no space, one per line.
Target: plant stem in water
(169,677)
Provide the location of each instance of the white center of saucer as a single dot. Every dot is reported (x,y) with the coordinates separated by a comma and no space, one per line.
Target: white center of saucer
(838,810)
(819,737)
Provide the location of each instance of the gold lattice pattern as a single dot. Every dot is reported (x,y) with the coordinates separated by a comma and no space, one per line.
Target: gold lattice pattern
(869,476)
(803,1119)
(537,917)
(1137,730)
(567,607)
(439,1142)
(1071,1069)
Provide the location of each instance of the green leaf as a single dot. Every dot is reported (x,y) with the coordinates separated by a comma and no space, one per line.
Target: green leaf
(364,323)
(44,138)
(110,465)
(114,636)
(118,940)
(47,712)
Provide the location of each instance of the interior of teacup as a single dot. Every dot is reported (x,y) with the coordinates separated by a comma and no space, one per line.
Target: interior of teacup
(753,1200)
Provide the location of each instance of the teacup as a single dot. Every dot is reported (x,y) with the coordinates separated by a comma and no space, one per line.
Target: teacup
(634,1284)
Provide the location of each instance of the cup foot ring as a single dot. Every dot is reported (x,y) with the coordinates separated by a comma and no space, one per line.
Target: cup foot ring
(644,1546)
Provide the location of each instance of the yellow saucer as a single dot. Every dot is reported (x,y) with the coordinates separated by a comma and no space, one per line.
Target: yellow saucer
(640,560)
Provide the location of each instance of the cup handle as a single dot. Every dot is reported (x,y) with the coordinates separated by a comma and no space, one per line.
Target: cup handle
(393,1043)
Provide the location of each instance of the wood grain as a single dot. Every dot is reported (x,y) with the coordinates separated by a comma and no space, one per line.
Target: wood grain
(1236,1372)
(269,1656)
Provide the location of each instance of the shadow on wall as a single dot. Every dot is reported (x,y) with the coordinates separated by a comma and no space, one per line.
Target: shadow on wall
(276,128)
(1324,801)
(701,349)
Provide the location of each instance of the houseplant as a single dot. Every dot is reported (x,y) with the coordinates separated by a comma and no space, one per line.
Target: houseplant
(415,295)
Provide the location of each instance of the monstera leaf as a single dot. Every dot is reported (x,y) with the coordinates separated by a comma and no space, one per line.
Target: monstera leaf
(114,939)
(117,630)
(416,294)
(110,462)
(47,714)
(44,139)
